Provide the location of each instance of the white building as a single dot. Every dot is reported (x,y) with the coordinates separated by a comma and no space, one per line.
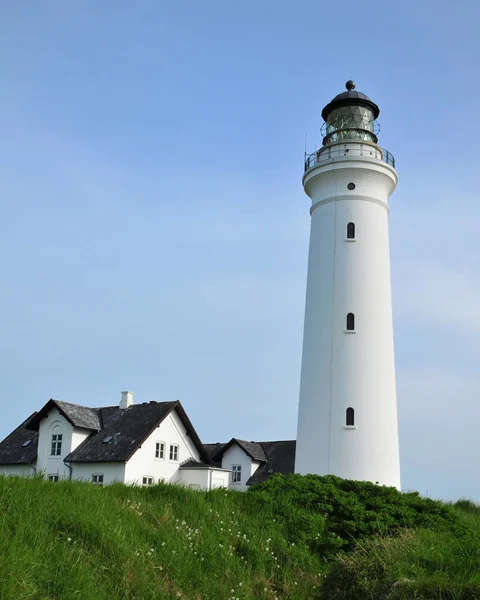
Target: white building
(139,444)
(347,422)
(252,462)
(136,444)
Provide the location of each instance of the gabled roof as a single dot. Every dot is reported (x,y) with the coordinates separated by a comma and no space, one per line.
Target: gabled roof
(12,448)
(76,415)
(253,449)
(125,430)
(281,459)
(276,457)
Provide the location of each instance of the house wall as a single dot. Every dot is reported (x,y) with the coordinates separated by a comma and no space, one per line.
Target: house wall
(54,423)
(143,462)
(19,470)
(198,479)
(236,456)
(78,436)
(112,471)
(220,479)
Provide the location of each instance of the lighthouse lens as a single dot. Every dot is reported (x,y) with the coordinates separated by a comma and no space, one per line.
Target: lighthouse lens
(351,122)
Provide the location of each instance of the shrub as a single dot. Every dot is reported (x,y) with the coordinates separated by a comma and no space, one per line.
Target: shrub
(350,511)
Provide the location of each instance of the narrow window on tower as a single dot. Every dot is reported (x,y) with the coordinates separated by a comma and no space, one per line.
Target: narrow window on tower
(350,322)
(351,231)
(350,420)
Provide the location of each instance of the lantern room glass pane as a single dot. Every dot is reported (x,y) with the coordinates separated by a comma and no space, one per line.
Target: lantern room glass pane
(351,122)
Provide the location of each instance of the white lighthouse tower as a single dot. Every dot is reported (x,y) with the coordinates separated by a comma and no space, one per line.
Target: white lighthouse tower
(347,421)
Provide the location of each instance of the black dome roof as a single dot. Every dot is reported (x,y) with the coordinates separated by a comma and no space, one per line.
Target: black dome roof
(350,97)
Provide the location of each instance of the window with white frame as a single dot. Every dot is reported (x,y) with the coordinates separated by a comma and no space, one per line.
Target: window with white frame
(173,452)
(160,450)
(97,478)
(147,480)
(236,473)
(53,478)
(56,448)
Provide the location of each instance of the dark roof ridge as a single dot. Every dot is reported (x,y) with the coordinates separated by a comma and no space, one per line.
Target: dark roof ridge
(246,447)
(76,414)
(275,441)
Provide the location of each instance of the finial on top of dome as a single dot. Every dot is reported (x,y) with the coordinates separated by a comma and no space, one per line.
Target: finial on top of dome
(350,85)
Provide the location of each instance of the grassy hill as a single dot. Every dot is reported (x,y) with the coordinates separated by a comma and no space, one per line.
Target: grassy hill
(301,538)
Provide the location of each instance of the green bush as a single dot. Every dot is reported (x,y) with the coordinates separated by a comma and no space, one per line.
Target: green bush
(342,512)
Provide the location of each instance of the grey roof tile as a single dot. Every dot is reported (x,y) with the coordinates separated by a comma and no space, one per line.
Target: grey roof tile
(12,450)
(281,459)
(253,449)
(213,450)
(78,416)
(195,464)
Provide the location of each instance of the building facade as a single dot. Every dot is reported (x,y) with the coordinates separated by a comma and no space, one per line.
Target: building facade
(136,444)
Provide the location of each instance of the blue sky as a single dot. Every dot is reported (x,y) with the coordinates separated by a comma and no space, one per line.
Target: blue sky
(154,230)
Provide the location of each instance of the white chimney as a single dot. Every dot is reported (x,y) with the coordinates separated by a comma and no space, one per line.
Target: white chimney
(127,399)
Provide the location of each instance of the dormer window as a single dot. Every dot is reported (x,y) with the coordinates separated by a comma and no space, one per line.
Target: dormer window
(26,443)
(56,449)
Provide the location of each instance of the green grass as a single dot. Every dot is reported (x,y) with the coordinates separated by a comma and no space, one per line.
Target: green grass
(310,538)
(73,540)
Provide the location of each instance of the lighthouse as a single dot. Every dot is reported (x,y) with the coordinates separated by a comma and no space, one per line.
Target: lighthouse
(347,418)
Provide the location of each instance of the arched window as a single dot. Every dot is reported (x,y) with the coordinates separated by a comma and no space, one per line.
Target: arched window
(350,420)
(351,231)
(350,322)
